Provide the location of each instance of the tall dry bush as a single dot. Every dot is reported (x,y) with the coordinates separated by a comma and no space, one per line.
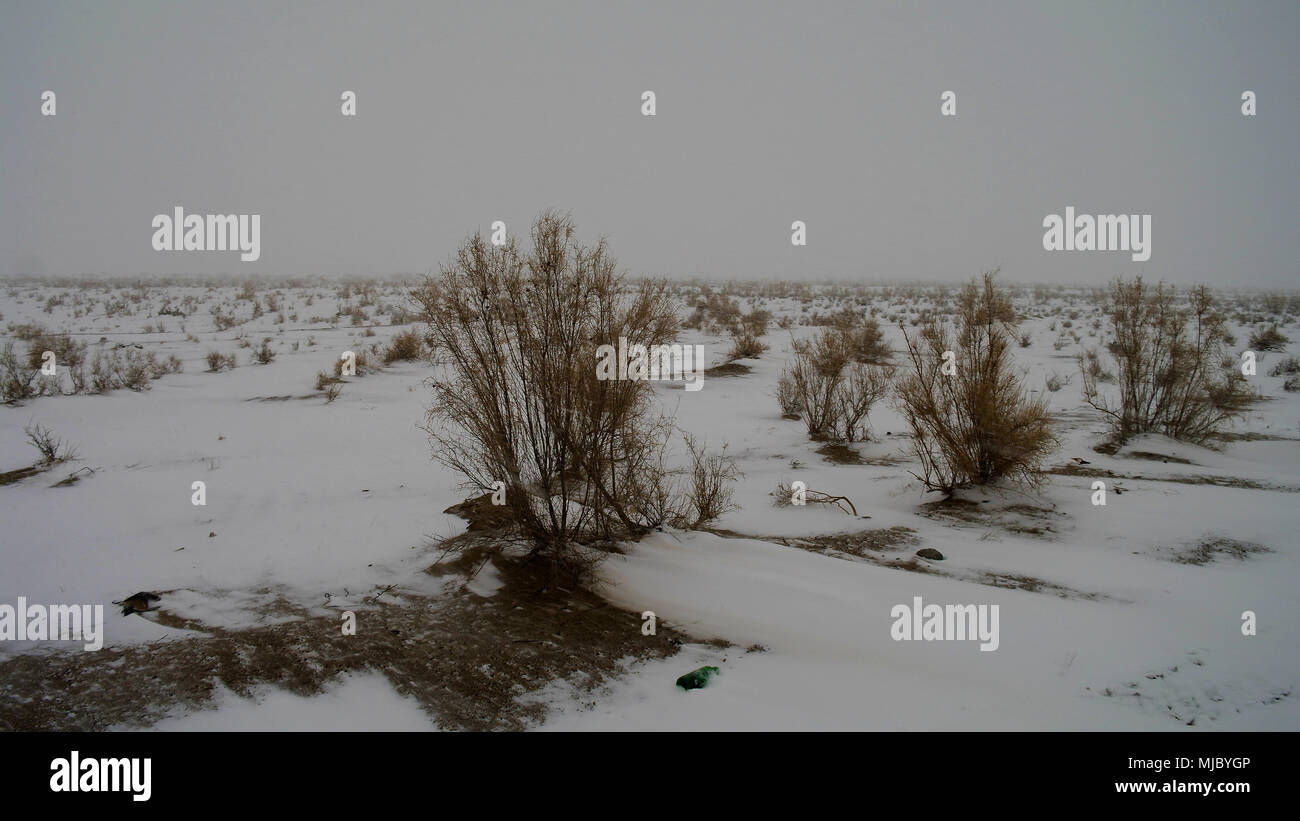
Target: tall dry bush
(977,424)
(517,331)
(1168,365)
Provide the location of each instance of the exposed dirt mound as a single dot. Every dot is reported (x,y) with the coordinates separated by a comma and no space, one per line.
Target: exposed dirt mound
(728,369)
(481,513)
(860,543)
(467,659)
(1209,549)
(1023,519)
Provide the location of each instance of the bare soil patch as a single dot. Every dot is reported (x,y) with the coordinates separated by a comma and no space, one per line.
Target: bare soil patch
(728,369)
(1022,519)
(465,658)
(1198,479)
(881,546)
(1209,549)
(12,476)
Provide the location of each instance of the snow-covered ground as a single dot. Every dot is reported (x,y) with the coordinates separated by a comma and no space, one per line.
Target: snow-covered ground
(318,504)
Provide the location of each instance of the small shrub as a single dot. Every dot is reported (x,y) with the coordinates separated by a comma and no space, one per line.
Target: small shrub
(745,345)
(66,351)
(324,380)
(222,321)
(788,396)
(404,347)
(710,492)
(1289,365)
(264,355)
(1268,339)
(129,368)
(52,448)
(17,381)
(218,362)
(362,364)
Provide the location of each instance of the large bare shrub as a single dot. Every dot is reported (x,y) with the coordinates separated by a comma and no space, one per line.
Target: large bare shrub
(975,425)
(1168,365)
(520,401)
(832,390)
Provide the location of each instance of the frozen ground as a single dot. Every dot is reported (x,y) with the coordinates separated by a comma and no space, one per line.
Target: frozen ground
(1109,617)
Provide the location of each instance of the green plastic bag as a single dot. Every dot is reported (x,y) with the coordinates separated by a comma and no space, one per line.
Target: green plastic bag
(696,679)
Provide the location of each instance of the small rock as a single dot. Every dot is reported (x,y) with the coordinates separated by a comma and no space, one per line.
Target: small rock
(211,533)
(929,553)
(139,603)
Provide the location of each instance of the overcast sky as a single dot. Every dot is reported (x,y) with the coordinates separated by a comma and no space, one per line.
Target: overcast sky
(767,113)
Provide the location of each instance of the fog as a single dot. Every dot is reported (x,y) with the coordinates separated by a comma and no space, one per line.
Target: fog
(766,113)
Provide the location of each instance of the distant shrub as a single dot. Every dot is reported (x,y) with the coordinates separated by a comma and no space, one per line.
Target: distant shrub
(1286,366)
(26,332)
(324,380)
(17,380)
(222,321)
(264,355)
(1055,381)
(362,364)
(746,345)
(1268,339)
(129,368)
(66,351)
(218,362)
(404,347)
